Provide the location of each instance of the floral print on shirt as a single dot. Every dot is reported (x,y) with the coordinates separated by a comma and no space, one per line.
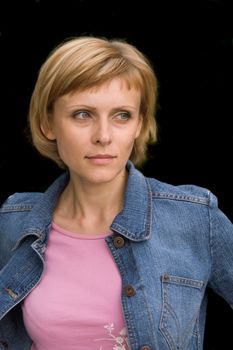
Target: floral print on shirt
(121,341)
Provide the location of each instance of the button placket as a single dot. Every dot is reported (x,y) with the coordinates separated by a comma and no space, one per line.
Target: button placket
(131,294)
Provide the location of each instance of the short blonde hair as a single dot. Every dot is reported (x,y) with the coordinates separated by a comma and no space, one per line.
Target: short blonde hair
(83,62)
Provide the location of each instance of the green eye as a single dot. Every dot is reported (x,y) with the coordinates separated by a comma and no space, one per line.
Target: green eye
(81,115)
(123,116)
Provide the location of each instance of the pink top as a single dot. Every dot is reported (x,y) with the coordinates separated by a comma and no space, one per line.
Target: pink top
(77,303)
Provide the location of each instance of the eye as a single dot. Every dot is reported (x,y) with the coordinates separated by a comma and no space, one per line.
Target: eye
(123,116)
(82,115)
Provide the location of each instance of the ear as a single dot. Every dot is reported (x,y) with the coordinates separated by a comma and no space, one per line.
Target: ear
(47,130)
(139,126)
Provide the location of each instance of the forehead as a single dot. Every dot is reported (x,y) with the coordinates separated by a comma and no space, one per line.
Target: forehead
(114,93)
(118,87)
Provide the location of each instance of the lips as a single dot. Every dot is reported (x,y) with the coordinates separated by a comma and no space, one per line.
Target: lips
(100,159)
(101,156)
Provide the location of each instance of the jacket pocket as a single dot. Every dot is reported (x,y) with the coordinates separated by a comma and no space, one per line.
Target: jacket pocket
(182,298)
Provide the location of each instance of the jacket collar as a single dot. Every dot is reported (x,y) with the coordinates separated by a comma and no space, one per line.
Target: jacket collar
(132,222)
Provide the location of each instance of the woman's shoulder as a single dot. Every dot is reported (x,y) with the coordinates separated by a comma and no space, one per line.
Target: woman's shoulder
(20,201)
(183,192)
(14,213)
(179,192)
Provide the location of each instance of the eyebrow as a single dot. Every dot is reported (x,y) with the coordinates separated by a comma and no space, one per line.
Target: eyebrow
(115,109)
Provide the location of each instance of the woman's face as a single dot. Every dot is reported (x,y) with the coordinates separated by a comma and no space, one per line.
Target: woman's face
(95,130)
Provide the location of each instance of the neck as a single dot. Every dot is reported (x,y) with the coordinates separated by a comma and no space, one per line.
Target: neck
(91,205)
(86,197)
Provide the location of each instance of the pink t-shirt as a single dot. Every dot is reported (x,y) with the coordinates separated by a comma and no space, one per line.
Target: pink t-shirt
(77,303)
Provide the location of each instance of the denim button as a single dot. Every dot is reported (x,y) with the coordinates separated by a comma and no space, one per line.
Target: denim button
(165,278)
(145,347)
(118,242)
(130,291)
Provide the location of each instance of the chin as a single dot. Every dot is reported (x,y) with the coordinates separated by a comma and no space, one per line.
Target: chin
(103,176)
(101,179)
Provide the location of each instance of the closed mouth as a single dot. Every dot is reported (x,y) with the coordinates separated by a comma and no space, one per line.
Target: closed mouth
(101,156)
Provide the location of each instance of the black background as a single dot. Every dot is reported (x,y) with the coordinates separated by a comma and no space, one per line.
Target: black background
(190,46)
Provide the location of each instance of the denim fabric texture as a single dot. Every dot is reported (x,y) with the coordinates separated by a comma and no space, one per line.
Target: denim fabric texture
(175,242)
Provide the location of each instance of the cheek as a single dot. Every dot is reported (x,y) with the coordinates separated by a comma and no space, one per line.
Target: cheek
(68,147)
(139,127)
(128,141)
(136,131)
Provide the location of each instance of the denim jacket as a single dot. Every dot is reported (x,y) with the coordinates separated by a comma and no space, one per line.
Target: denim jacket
(169,242)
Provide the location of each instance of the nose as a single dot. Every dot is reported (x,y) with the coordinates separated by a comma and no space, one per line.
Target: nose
(102,132)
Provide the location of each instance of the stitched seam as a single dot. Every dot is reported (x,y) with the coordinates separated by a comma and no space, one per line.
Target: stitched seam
(14,208)
(193,199)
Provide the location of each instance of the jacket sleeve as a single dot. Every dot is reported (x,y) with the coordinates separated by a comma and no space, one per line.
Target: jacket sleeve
(221,245)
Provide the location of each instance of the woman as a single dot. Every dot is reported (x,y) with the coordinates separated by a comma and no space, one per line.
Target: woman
(106,258)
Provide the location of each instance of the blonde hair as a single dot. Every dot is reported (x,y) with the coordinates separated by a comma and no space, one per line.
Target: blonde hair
(81,63)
